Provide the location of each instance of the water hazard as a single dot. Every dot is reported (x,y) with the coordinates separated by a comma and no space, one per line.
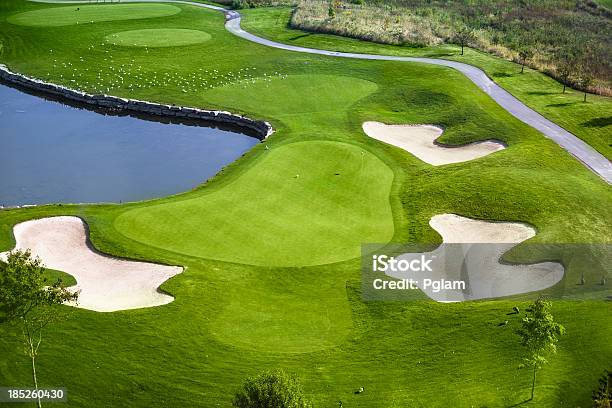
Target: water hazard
(51,152)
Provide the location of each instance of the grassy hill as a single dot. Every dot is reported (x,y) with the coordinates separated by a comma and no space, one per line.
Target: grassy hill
(558,34)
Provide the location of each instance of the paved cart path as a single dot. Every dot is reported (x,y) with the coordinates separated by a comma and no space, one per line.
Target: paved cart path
(568,141)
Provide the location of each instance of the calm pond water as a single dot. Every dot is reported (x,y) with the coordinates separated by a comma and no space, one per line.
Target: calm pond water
(54,153)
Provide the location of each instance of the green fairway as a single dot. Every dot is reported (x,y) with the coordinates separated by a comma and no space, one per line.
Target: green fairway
(271,244)
(158,37)
(591,121)
(320,222)
(84,14)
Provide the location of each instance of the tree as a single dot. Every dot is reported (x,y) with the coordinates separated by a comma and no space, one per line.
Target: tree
(525,53)
(331,11)
(585,76)
(271,389)
(464,36)
(565,67)
(602,397)
(539,335)
(27,298)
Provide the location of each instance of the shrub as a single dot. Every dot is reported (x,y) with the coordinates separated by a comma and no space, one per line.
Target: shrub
(237,5)
(271,389)
(602,396)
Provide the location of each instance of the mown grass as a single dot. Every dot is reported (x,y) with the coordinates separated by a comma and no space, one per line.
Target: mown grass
(158,38)
(304,231)
(591,121)
(229,319)
(89,14)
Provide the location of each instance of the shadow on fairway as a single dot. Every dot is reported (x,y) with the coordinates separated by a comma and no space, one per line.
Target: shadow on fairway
(598,122)
(518,404)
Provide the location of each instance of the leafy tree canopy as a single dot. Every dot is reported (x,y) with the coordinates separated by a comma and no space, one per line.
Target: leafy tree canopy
(271,389)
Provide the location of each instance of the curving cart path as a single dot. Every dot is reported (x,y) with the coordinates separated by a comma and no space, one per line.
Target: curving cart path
(568,141)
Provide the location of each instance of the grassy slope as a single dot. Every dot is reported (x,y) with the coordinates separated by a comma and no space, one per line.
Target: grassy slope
(158,38)
(86,14)
(53,276)
(590,121)
(231,320)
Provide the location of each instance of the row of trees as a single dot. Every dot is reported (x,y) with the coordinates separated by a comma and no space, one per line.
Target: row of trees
(571,64)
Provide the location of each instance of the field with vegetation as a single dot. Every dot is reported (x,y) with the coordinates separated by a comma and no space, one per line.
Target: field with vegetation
(271,243)
(569,40)
(590,120)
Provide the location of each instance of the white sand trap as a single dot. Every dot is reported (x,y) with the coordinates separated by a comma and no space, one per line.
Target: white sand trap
(106,284)
(475,260)
(419,140)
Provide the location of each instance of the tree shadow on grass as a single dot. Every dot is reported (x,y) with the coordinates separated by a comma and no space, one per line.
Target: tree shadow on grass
(297,37)
(560,105)
(541,93)
(502,75)
(598,122)
(518,404)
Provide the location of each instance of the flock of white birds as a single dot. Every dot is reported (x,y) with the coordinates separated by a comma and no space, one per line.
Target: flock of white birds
(93,77)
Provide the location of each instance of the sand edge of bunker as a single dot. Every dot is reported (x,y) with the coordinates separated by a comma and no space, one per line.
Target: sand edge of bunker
(421,141)
(106,283)
(480,248)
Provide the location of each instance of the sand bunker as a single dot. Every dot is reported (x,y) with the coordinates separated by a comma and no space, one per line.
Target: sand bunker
(419,140)
(107,284)
(474,258)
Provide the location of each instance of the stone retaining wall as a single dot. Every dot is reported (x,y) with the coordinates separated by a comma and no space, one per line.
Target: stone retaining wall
(263,129)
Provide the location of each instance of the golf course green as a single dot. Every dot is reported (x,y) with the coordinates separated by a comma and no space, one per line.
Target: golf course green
(303,232)
(271,244)
(158,37)
(63,16)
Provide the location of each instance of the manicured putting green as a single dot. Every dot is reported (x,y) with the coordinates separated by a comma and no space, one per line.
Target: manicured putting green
(83,14)
(335,197)
(158,37)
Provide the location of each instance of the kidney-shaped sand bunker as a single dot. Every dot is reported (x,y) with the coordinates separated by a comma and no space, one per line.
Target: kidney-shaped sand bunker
(420,140)
(106,283)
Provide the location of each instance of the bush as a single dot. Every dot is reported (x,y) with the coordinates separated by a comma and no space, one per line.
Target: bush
(271,389)
(602,397)
(237,5)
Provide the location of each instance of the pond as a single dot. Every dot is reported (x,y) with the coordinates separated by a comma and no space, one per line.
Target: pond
(51,152)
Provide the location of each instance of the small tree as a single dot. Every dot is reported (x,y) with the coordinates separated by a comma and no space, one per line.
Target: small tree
(28,299)
(539,335)
(585,78)
(602,397)
(525,53)
(464,36)
(565,68)
(271,389)
(331,11)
